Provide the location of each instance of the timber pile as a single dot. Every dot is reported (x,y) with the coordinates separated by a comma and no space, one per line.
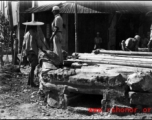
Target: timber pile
(139,82)
(136,59)
(107,73)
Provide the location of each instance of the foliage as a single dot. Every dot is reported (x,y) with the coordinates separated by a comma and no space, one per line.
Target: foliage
(5,28)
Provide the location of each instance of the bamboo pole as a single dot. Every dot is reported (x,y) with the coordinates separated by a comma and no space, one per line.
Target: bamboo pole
(76,40)
(125,53)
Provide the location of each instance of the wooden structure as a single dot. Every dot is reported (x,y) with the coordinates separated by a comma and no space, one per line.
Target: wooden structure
(107,79)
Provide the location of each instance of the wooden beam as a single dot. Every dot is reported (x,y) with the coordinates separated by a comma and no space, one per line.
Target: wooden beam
(94,62)
(76,37)
(125,53)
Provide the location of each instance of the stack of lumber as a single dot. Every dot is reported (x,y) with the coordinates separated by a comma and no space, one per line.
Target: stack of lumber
(134,59)
(137,64)
(104,73)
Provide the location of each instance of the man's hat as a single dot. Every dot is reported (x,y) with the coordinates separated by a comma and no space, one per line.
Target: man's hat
(33,23)
(55,8)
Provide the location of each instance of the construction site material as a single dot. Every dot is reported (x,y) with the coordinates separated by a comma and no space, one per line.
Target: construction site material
(101,57)
(94,62)
(124,52)
(110,75)
(140,81)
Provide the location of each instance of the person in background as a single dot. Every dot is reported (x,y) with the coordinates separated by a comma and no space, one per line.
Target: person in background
(97,41)
(131,44)
(31,45)
(145,40)
(1,49)
(150,41)
(15,48)
(57,28)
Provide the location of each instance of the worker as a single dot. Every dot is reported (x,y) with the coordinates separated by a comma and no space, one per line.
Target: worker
(32,44)
(15,48)
(150,41)
(57,28)
(97,41)
(1,49)
(131,44)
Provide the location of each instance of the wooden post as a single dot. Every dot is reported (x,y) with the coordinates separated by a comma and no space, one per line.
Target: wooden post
(11,26)
(33,4)
(18,27)
(76,41)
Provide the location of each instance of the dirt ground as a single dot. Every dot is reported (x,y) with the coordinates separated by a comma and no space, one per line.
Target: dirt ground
(19,101)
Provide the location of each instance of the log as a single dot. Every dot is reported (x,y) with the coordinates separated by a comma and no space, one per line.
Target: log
(111,57)
(117,60)
(125,53)
(111,92)
(94,62)
(116,55)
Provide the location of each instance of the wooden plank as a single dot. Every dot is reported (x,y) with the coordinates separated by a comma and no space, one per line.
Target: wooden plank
(99,57)
(95,62)
(125,53)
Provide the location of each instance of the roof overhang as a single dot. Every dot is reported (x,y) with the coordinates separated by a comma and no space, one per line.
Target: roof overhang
(67,7)
(97,7)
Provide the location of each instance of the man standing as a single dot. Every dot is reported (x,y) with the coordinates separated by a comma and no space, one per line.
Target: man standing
(57,27)
(97,41)
(31,45)
(131,44)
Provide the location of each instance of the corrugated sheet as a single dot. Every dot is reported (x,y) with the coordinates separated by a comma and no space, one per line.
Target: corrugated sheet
(119,6)
(68,7)
(98,7)
(41,8)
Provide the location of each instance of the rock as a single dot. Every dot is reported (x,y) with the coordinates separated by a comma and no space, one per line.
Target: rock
(137,98)
(140,81)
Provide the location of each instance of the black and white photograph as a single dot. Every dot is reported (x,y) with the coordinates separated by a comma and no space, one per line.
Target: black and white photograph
(76,60)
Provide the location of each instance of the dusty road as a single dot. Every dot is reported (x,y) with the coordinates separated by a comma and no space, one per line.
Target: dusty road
(19,101)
